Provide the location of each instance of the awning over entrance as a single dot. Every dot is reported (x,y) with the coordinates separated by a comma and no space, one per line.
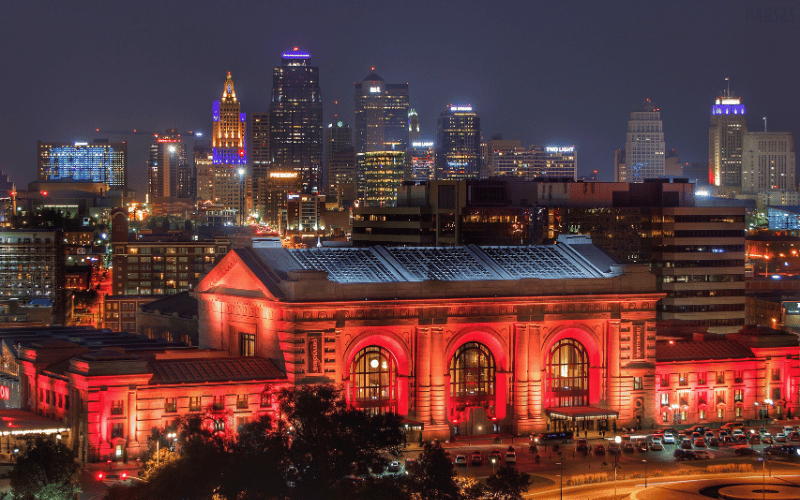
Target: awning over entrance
(573,412)
(21,422)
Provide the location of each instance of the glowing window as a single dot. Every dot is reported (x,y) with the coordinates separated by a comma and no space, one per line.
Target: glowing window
(373,380)
(472,373)
(568,373)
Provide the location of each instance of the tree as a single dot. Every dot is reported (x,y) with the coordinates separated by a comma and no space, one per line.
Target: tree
(433,477)
(508,483)
(45,471)
(329,440)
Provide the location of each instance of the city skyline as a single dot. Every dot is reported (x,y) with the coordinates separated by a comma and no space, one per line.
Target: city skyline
(583,96)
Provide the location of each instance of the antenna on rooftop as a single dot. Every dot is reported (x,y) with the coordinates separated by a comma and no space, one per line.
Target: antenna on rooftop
(727,79)
(765,124)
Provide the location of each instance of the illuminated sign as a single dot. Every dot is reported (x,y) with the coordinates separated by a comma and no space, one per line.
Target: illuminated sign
(5,392)
(456,109)
(242,117)
(422,144)
(77,144)
(792,308)
(729,101)
(169,141)
(295,53)
(374,89)
(315,353)
(556,149)
(283,175)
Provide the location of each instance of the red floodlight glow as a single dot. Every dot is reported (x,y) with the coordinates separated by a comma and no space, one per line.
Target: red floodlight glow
(100,476)
(124,475)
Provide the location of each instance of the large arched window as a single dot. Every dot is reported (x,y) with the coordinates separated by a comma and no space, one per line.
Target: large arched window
(472,373)
(373,380)
(568,373)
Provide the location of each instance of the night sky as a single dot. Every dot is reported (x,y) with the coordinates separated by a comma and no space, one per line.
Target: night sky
(557,73)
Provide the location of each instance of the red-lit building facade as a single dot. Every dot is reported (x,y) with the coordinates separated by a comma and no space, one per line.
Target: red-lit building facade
(464,340)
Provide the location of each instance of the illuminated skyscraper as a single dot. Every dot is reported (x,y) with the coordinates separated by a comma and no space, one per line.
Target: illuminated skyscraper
(725,140)
(99,161)
(458,144)
(228,142)
(383,174)
(295,120)
(413,126)
(260,158)
(421,154)
(644,145)
(381,115)
(168,172)
(340,162)
(768,162)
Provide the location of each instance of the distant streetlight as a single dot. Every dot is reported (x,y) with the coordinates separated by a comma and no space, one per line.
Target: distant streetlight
(645,473)
(561,476)
(170,435)
(494,462)
(617,440)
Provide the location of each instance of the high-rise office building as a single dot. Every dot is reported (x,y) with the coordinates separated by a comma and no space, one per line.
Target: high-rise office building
(98,161)
(496,147)
(229,154)
(458,144)
(413,126)
(340,163)
(644,145)
(260,158)
(421,155)
(204,170)
(383,173)
(768,162)
(725,140)
(168,171)
(295,119)
(538,162)
(381,115)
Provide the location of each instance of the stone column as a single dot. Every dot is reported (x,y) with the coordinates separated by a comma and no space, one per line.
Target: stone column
(520,378)
(438,367)
(423,378)
(613,395)
(535,388)
(132,434)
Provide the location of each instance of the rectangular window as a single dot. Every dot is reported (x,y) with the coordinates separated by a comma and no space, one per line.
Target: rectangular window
(684,415)
(738,377)
(664,381)
(738,395)
(664,417)
(720,398)
(664,399)
(702,414)
(738,412)
(247,344)
(702,398)
(241,402)
(170,405)
(683,379)
(776,374)
(118,430)
(194,403)
(776,393)
(117,407)
(219,403)
(701,379)
(637,383)
(720,377)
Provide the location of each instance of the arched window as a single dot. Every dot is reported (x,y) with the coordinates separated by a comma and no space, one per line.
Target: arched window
(472,373)
(373,380)
(568,373)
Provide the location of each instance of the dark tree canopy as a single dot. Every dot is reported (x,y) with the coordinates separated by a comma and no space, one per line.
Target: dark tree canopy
(46,470)
(508,483)
(433,477)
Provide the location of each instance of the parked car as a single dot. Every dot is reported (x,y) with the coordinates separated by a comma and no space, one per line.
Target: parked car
(641,445)
(780,437)
(628,447)
(496,456)
(766,438)
(702,455)
(746,451)
(713,442)
(700,443)
(699,428)
(680,454)
(582,446)
(394,466)
(614,448)
(477,458)
(511,457)
(794,436)
(754,439)
(461,461)
(655,445)
(708,435)
(686,444)
(788,429)
(669,438)
(695,436)
(599,450)
(733,425)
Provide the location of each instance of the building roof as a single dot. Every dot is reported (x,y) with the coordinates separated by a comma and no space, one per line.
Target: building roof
(416,264)
(699,350)
(227,369)
(182,304)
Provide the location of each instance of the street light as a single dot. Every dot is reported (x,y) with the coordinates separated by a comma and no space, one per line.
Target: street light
(170,435)
(494,462)
(617,440)
(561,477)
(645,473)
